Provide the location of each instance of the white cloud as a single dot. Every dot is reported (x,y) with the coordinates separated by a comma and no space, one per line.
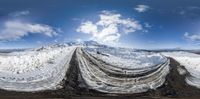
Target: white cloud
(39,42)
(194,8)
(20,13)
(193,37)
(182,12)
(87,27)
(147,25)
(15,30)
(141,8)
(110,27)
(79,40)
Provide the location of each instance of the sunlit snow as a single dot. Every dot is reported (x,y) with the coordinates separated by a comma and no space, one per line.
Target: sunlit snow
(33,70)
(191,62)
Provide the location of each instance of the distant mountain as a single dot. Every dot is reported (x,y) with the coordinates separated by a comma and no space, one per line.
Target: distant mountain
(91,43)
(11,50)
(85,43)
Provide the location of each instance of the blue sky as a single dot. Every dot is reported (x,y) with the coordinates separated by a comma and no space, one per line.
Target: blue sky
(148,24)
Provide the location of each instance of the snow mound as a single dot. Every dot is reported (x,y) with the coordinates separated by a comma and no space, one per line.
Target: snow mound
(191,62)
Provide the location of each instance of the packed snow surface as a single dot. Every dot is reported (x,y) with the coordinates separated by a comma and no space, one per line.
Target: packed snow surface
(191,62)
(34,70)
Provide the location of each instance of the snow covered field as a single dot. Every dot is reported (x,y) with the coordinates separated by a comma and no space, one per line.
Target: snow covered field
(105,69)
(191,62)
(34,70)
(127,58)
(115,70)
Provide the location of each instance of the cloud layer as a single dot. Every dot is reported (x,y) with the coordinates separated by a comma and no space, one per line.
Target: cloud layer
(193,37)
(15,30)
(141,8)
(110,27)
(19,13)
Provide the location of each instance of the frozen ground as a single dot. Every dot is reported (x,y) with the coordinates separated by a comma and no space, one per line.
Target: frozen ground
(191,62)
(34,70)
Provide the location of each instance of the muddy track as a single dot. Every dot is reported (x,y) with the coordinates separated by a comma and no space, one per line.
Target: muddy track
(74,87)
(175,85)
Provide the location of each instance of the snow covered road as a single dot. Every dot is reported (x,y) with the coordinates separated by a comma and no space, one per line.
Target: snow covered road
(191,62)
(106,77)
(34,70)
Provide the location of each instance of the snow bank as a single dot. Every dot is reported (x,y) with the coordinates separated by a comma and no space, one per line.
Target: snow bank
(34,70)
(191,62)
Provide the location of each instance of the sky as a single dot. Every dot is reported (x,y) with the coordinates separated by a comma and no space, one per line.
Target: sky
(144,24)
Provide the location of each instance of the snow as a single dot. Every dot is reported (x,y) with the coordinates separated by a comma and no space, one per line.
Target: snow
(44,68)
(34,70)
(122,71)
(127,58)
(191,62)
